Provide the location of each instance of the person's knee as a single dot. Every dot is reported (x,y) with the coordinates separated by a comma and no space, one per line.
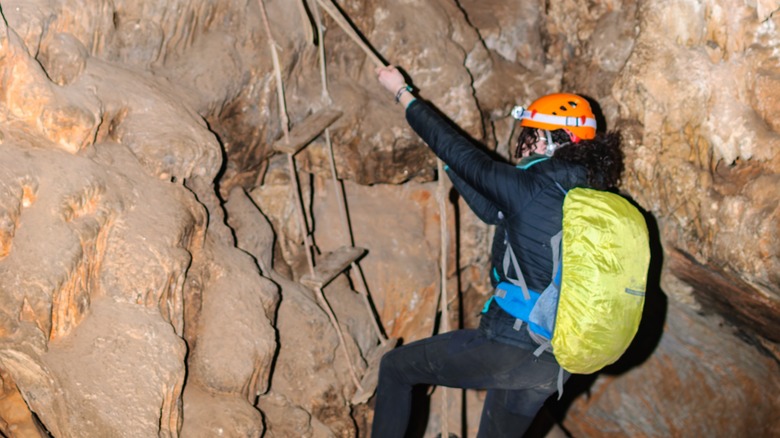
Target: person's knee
(389,367)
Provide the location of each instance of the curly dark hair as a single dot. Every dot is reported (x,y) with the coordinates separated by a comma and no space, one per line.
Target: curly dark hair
(602,156)
(528,138)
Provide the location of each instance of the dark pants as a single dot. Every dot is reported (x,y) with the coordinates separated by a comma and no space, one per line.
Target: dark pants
(518,382)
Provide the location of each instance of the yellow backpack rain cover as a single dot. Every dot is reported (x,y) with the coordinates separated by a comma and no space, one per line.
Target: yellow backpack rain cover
(605,257)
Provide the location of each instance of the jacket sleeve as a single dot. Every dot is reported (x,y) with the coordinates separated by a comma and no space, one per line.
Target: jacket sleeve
(480,205)
(499,182)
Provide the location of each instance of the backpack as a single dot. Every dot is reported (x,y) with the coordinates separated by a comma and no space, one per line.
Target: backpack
(590,312)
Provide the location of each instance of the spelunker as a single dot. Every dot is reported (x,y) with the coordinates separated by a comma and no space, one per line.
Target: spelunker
(524,201)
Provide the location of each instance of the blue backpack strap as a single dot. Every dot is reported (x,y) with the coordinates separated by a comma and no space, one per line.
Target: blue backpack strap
(510,298)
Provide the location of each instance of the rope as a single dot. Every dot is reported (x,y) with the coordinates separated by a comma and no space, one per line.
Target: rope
(302,218)
(363,290)
(321,53)
(278,74)
(330,7)
(286,129)
(342,21)
(305,23)
(332,316)
(339,191)
(301,215)
(339,188)
(339,18)
(445,313)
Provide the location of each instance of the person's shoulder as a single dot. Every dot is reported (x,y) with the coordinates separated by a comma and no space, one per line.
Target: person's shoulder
(545,164)
(565,173)
(531,161)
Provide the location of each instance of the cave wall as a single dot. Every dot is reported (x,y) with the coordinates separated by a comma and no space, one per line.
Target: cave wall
(149,250)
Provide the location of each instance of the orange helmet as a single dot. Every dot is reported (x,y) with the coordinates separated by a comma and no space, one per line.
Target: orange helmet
(565,111)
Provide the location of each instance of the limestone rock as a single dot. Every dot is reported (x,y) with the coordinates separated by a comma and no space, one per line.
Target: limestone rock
(16,416)
(254,233)
(126,125)
(308,344)
(100,227)
(69,121)
(405,292)
(236,304)
(113,379)
(211,415)
(716,386)
(64,58)
(310,368)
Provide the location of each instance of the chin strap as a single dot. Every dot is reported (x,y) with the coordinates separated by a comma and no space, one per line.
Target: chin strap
(551,147)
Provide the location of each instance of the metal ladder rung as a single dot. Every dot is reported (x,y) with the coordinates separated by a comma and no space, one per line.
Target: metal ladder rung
(305,132)
(332,265)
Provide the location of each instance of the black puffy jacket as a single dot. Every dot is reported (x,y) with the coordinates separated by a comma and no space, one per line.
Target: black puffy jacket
(524,204)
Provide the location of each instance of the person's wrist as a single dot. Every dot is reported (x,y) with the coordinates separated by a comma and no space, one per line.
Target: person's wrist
(405,88)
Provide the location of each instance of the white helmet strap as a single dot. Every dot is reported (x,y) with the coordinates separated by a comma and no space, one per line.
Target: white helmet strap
(551,146)
(520,113)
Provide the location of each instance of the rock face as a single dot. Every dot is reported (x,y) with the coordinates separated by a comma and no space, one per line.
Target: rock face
(121,284)
(150,248)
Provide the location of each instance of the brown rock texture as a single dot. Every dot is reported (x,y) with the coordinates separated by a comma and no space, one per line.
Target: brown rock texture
(120,283)
(150,249)
(712,390)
